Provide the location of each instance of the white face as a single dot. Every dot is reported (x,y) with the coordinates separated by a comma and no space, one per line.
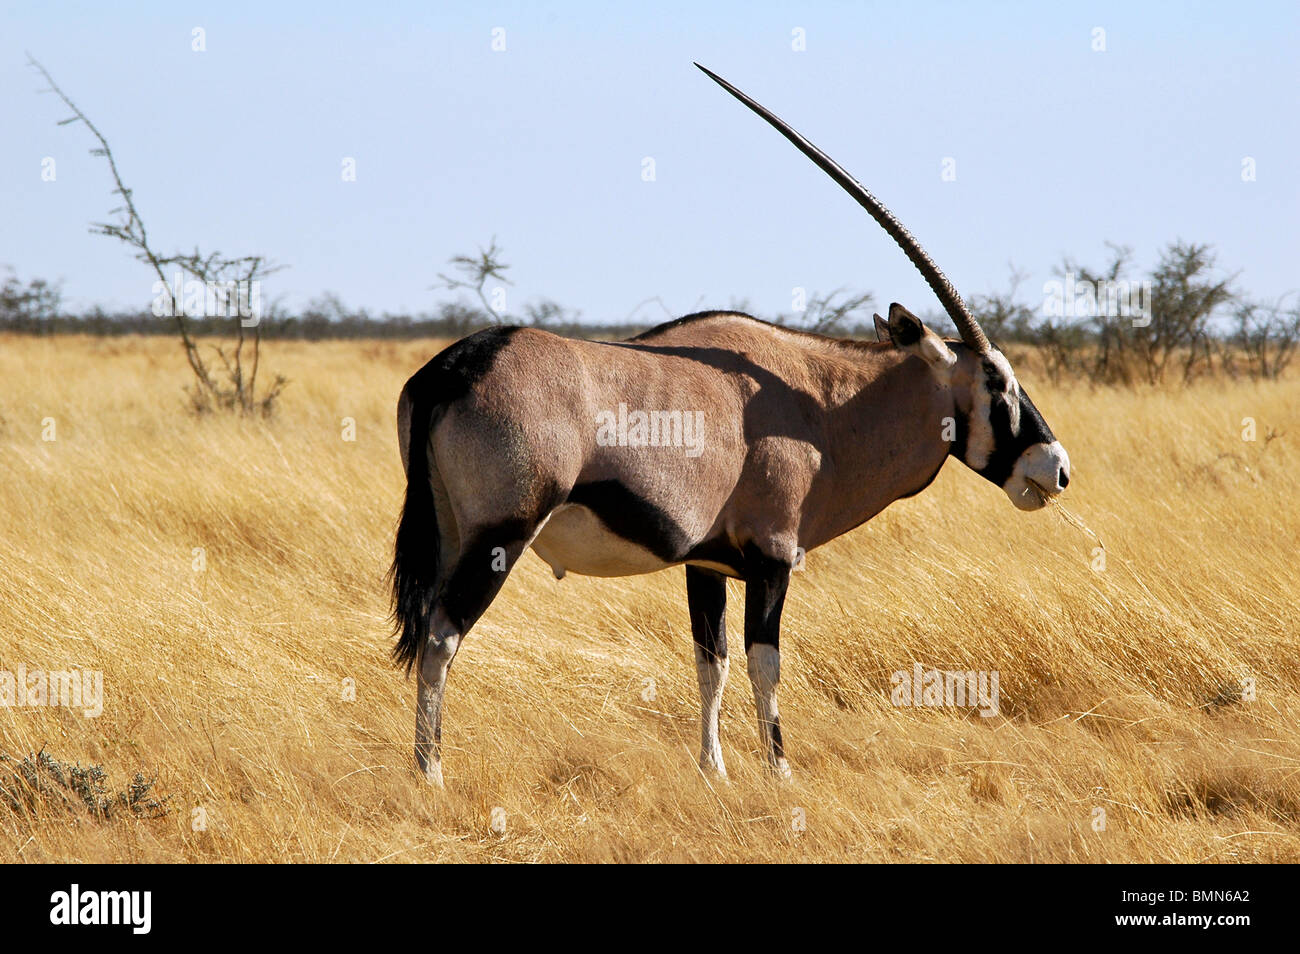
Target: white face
(1005,440)
(1002,386)
(1042,471)
(1008,442)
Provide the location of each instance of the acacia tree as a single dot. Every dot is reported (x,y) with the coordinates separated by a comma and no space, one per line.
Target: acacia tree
(1183,300)
(1000,314)
(1113,359)
(1185,295)
(1266,334)
(836,312)
(28,305)
(233,384)
(475,272)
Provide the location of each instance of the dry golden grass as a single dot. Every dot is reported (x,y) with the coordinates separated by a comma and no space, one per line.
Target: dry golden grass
(229,684)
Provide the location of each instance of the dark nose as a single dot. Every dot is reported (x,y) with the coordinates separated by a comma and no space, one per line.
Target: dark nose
(1062,479)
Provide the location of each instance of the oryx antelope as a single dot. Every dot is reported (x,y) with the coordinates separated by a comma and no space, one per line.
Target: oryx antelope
(802,438)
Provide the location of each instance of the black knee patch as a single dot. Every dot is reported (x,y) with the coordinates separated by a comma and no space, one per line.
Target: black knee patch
(778,744)
(481,570)
(766,582)
(706,599)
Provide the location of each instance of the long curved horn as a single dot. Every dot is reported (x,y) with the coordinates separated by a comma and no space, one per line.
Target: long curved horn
(970,331)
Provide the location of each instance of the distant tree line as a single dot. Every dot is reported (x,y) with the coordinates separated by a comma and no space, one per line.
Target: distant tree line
(1181,321)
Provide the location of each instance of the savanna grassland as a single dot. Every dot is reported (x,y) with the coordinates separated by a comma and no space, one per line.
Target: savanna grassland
(256,688)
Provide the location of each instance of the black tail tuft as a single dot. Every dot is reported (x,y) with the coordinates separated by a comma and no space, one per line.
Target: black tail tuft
(415,574)
(415,555)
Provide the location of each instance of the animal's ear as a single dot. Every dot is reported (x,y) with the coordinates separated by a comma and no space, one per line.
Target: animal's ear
(882,330)
(909,333)
(904,327)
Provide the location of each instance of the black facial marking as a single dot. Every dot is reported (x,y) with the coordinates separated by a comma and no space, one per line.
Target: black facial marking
(993,377)
(1007,447)
(1032,423)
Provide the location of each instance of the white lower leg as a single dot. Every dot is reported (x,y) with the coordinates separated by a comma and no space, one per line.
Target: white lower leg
(764,665)
(713,678)
(435,659)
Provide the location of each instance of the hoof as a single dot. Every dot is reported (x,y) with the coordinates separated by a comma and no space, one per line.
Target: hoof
(431,769)
(713,771)
(711,763)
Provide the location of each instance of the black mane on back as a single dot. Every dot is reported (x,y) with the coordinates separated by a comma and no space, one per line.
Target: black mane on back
(691,319)
(718,312)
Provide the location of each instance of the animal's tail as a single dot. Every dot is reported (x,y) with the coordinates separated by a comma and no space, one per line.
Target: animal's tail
(415,555)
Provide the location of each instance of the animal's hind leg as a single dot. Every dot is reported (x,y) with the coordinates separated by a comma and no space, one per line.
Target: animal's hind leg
(432,664)
(473,583)
(764,599)
(706,598)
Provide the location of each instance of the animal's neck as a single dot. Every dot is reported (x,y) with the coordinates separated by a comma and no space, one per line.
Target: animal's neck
(887,440)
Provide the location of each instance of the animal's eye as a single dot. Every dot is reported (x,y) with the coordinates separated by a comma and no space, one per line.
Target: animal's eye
(994,380)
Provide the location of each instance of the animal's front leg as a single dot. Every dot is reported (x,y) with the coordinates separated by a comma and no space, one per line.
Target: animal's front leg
(765,589)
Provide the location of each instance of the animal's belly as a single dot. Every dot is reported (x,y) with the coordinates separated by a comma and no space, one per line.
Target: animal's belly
(575,541)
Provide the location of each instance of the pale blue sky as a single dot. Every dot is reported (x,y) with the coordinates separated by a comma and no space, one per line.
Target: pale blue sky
(1057,147)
